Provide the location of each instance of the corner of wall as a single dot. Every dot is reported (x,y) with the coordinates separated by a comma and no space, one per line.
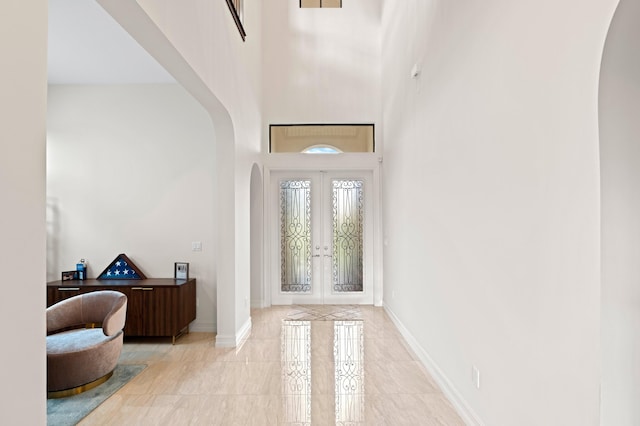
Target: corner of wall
(237,340)
(464,409)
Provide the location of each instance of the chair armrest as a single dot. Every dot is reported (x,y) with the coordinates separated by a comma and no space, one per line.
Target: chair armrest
(115,320)
(106,307)
(66,313)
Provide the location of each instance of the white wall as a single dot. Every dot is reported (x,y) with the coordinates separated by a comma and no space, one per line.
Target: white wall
(321,65)
(23,97)
(491,198)
(130,169)
(257,239)
(620,166)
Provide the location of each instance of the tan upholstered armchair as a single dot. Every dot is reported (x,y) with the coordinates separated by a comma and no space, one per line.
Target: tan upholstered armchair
(79,359)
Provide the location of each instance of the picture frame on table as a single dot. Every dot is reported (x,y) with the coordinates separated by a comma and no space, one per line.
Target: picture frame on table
(181,271)
(69,275)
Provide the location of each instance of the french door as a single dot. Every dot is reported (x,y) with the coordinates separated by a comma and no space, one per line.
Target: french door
(321,245)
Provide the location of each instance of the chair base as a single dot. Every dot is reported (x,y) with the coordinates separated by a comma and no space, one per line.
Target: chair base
(79,389)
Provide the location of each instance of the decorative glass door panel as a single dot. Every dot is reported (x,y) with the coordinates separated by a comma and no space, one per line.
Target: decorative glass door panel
(320,251)
(295,236)
(348,221)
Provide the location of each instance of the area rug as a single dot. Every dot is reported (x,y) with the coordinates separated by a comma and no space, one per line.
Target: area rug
(70,410)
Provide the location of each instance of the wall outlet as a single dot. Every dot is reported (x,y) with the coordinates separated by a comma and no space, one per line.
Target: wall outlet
(475,376)
(196,246)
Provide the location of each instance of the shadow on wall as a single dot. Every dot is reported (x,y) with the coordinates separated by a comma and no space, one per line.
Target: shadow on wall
(619,103)
(53,233)
(257,296)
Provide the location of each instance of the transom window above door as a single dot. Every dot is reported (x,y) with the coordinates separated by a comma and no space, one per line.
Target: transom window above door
(320,3)
(321,138)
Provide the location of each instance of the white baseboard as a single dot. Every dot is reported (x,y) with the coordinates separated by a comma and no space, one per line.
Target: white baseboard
(225,341)
(243,334)
(461,406)
(202,327)
(237,340)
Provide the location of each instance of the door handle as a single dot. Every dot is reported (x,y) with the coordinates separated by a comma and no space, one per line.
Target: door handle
(316,255)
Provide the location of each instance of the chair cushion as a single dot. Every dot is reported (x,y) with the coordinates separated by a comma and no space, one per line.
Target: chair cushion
(75,341)
(78,357)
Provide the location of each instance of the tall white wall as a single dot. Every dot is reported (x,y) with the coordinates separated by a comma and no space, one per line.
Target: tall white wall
(620,165)
(131,169)
(321,65)
(23,102)
(491,196)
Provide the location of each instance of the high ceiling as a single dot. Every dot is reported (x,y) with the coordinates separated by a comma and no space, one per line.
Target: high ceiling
(87,46)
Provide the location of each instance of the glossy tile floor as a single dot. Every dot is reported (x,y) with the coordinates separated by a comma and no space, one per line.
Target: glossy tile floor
(302,365)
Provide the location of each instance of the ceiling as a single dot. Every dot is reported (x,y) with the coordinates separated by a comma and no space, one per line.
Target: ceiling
(87,46)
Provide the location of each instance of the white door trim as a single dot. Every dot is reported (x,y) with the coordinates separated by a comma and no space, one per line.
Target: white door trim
(328,162)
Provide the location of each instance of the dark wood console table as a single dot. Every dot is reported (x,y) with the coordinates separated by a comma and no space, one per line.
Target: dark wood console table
(155,307)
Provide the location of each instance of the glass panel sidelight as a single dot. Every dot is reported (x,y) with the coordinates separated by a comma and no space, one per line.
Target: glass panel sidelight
(295,236)
(348,220)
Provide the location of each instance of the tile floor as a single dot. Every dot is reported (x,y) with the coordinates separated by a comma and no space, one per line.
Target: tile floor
(302,365)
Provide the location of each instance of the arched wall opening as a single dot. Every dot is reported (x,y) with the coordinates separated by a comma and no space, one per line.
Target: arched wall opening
(133,18)
(619,103)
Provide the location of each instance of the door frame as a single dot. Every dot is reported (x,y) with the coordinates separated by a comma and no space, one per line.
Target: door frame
(322,291)
(346,162)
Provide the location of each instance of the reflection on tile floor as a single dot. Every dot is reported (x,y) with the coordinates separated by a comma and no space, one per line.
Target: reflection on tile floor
(324,312)
(348,358)
(295,364)
(352,370)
